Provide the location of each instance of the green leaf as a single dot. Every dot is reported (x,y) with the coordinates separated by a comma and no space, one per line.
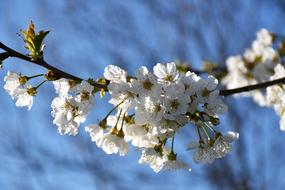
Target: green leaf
(38,40)
(34,41)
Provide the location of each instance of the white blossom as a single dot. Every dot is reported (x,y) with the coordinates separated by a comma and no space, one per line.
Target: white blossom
(149,110)
(24,98)
(12,83)
(207,153)
(95,131)
(166,73)
(174,164)
(115,74)
(112,144)
(264,37)
(61,86)
(145,84)
(152,158)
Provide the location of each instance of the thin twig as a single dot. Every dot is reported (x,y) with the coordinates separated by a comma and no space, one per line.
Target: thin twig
(42,63)
(252,87)
(12,53)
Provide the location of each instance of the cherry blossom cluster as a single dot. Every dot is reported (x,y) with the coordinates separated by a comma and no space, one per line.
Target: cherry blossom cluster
(152,107)
(149,110)
(18,88)
(72,105)
(262,62)
(254,66)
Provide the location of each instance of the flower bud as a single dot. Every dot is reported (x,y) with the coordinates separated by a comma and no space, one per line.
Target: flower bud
(23,80)
(32,91)
(51,76)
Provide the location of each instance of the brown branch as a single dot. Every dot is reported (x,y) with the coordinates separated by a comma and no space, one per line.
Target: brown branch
(12,53)
(252,87)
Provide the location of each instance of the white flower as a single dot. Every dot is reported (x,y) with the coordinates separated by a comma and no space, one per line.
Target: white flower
(149,110)
(115,74)
(264,37)
(146,141)
(152,158)
(166,73)
(145,84)
(95,131)
(68,114)
(24,97)
(121,94)
(204,155)
(207,89)
(12,82)
(215,107)
(221,147)
(133,131)
(258,48)
(165,128)
(174,164)
(61,86)
(160,161)
(222,144)
(189,81)
(83,87)
(17,87)
(112,144)
(176,105)
(237,75)
(84,92)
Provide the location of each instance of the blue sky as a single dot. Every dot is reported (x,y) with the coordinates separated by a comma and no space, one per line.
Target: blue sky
(86,37)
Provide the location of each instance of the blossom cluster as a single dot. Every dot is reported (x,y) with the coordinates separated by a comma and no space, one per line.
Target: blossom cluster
(153,107)
(18,88)
(254,66)
(72,105)
(262,62)
(149,111)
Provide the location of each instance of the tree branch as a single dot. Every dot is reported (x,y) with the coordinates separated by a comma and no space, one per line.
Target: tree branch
(252,87)
(12,53)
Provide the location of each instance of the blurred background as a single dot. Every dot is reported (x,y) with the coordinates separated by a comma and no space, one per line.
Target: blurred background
(85,37)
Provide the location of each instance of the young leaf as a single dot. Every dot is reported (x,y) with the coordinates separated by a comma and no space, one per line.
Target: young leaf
(34,41)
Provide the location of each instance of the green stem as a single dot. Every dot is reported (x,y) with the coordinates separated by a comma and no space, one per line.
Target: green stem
(206,133)
(123,121)
(40,84)
(118,118)
(39,75)
(113,109)
(210,127)
(172,143)
(199,133)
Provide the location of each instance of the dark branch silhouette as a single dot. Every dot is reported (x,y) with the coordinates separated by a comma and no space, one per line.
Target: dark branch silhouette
(12,53)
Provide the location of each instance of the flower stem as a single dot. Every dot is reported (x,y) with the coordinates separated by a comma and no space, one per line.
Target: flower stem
(40,84)
(31,77)
(172,143)
(113,109)
(206,133)
(199,133)
(118,118)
